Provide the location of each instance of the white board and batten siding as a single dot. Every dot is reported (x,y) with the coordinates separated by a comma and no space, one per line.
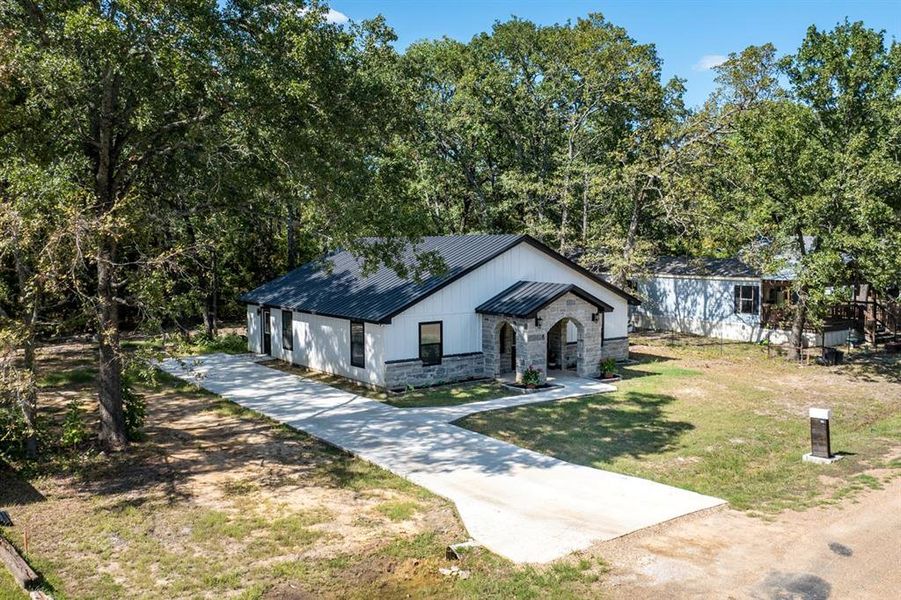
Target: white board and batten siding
(254,335)
(455,304)
(321,343)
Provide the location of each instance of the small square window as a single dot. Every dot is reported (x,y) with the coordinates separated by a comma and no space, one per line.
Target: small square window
(747,299)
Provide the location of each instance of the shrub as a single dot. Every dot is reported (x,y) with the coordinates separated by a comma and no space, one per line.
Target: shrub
(531,376)
(74,430)
(608,365)
(135,408)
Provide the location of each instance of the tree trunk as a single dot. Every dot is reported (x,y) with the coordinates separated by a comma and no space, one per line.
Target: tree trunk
(112,414)
(28,395)
(799,320)
(211,304)
(291,236)
(631,237)
(585,210)
(29,399)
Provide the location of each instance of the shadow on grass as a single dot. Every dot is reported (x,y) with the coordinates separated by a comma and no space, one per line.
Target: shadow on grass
(873,366)
(14,490)
(588,430)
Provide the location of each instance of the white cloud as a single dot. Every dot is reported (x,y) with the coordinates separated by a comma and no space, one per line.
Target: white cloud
(708,61)
(335,18)
(332,16)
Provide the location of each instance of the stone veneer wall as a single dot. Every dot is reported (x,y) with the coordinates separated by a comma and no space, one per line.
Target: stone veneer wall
(618,348)
(411,372)
(531,348)
(531,339)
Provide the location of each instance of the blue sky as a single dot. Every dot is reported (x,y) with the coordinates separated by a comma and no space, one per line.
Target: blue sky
(689,35)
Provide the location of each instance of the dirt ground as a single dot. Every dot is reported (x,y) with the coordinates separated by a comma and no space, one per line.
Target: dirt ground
(847,551)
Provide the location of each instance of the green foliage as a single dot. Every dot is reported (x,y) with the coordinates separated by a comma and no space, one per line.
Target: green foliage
(531,377)
(74,430)
(608,366)
(135,410)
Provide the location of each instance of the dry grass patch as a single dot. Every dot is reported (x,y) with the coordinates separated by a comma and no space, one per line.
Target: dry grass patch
(219,502)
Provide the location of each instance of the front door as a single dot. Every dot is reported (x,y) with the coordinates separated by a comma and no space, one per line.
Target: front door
(267,332)
(513,356)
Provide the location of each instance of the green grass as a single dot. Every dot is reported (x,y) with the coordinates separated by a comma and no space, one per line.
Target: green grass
(78,376)
(450,395)
(708,427)
(398,510)
(440,395)
(9,589)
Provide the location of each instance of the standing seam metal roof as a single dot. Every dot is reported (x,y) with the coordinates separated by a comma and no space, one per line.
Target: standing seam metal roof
(336,286)
(525,298)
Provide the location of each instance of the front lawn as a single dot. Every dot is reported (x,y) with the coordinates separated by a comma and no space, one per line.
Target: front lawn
(722,420)
(442,395)
(219,502)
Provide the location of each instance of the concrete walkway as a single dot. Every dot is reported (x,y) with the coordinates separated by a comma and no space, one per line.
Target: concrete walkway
(520,504)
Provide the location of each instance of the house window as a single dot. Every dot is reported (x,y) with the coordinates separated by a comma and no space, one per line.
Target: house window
(357,344)
(430,343)
(287,330)
(747,299)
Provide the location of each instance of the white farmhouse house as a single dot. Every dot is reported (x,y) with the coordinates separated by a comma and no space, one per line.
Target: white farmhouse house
(726,298)
(503,304)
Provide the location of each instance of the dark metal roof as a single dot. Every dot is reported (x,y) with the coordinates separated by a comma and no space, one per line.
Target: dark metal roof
(702,267)
(336,286)
(524,299)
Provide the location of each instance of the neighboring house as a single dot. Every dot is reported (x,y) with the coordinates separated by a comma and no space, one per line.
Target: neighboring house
(726,298)
(504,303)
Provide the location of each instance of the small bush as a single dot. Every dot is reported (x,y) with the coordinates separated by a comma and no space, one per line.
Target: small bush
(135,408)
(230,343)
(531,376)
(608,365)
(74,430)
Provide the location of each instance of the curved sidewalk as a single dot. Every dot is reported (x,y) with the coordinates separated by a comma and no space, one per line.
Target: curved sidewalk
(518,503)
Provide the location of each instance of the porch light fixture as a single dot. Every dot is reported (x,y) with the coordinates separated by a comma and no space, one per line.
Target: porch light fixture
(594,316)
(537,321)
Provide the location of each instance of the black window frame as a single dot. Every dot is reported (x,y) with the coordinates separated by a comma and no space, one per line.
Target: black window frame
(741,300)
(288,336)
(440,344)
(361,342)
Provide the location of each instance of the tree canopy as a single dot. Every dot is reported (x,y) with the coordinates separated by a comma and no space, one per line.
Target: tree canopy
(158,158)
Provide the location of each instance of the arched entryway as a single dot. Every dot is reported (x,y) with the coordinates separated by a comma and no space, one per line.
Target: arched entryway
(506,349)
(564,345)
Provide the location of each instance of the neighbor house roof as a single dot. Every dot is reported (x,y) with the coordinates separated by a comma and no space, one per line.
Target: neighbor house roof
(336,286)
(524,299)
(702,267)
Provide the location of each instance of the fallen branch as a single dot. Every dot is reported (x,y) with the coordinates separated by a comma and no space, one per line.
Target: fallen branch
(21,572)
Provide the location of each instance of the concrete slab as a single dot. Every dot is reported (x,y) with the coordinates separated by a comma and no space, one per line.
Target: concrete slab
(520,504)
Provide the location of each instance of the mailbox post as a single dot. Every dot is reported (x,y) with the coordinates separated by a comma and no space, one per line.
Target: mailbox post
(820,442)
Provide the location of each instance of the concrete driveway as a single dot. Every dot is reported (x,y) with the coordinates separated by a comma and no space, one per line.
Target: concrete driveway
(520,504)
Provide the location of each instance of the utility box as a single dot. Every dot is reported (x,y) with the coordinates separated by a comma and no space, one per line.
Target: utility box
(820,445)
(820,440)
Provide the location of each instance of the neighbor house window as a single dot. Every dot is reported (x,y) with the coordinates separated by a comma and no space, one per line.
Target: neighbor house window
(357,344)
(746,299)
(430,343)
(287,330)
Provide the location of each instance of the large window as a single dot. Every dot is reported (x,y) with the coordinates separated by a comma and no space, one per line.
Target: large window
(287,330)
(747,298)
(358,344)
(430,343)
